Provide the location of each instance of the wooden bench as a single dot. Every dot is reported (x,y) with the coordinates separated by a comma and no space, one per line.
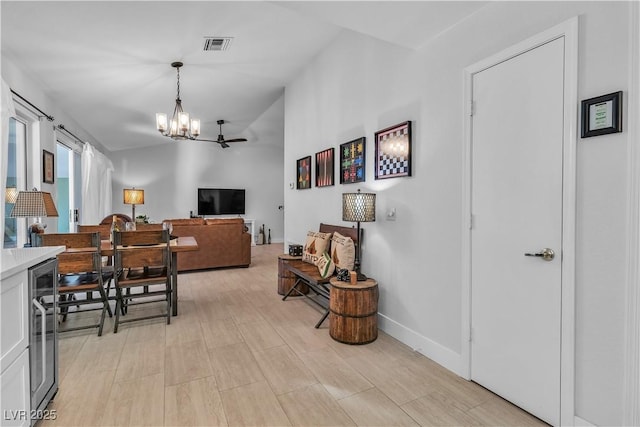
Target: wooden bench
(308,275)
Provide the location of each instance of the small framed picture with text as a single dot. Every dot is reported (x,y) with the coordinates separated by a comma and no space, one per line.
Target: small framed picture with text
(602,115)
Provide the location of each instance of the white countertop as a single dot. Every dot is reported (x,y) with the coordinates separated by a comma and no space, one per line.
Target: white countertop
(15,260)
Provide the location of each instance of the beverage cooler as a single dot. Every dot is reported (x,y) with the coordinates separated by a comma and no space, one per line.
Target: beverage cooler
(43,339)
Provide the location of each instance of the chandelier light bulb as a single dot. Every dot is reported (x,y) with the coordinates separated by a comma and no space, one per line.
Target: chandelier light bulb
(183,119)
(195,127)
(161,122)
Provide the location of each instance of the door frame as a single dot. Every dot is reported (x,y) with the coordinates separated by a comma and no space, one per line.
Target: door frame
(631,403)
(74,148)
(568,30)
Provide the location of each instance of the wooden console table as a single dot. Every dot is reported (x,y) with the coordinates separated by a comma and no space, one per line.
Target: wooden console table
(353,311)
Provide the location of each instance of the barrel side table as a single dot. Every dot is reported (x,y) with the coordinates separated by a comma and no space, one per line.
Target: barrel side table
(286,279)
(353,311)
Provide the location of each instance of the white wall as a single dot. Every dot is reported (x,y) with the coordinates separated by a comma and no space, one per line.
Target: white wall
(359,85)
(171,173)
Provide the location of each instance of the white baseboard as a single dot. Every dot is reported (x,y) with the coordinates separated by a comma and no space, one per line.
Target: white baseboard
(274,240)
(579,422)
(431,349)
(436,352)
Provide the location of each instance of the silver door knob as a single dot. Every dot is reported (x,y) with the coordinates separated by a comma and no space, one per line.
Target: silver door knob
(546,254)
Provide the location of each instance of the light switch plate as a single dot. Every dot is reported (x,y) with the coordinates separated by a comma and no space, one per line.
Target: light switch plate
(391,214)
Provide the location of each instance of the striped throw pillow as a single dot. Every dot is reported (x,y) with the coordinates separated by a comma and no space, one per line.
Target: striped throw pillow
(326,267)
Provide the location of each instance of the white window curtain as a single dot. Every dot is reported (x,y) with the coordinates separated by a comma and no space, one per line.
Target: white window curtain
(8,111)
(97,170)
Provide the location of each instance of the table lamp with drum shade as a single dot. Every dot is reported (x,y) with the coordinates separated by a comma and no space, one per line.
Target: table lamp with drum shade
(359,207)
(133,196)
(35,204)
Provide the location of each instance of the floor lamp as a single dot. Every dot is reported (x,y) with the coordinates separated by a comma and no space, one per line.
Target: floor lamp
(33,204)
(133,197)
(359,207)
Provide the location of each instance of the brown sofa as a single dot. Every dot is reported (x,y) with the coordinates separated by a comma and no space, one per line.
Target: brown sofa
(221,243)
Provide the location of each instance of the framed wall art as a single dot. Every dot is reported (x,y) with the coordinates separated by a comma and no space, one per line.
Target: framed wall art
(48,167)
(303,173)
(352,161)
(393,151)
(324,167)
(602,115)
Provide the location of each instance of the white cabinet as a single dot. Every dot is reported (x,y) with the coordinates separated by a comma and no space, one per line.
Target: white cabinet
(14,389)
(14,316)
(14,356)
(15,338)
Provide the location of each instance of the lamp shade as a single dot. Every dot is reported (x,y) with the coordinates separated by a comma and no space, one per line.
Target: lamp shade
(133,196)
(359,207)
(34,204)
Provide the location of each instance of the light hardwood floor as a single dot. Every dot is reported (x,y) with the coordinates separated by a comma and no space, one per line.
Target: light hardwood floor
(238,355)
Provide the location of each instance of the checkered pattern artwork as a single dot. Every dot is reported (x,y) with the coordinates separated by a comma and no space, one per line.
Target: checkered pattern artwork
(352,156)
(393,151)
(303,173)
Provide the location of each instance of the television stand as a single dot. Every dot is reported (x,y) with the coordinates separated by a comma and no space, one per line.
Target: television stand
(252,229)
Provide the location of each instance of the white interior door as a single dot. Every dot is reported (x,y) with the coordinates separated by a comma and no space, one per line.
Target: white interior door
(516,205)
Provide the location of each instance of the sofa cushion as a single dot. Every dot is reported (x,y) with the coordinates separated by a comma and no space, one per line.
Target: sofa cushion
(214,221)
(343,251)
(220,244)
(185,221)
(316,244)
(326,267)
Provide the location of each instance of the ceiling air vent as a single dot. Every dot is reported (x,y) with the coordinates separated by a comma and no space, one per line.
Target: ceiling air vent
(217,43)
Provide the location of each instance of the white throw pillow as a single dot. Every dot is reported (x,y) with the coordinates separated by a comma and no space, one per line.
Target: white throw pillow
(343,251)
(316,244)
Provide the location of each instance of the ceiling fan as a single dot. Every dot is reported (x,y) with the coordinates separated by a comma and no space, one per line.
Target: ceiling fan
(223,142)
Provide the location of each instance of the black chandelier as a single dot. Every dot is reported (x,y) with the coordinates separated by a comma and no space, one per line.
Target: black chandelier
(181,126)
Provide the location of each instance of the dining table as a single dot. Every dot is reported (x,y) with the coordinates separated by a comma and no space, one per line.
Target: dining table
(179,244)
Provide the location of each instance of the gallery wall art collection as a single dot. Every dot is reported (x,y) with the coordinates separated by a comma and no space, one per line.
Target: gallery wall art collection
(392,159)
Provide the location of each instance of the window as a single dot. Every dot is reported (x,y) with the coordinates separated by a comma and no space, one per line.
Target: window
(15,180)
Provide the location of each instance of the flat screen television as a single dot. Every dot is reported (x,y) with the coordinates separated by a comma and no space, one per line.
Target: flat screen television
(220,201)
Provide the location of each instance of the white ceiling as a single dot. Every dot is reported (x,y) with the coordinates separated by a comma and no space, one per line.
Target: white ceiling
(106,63)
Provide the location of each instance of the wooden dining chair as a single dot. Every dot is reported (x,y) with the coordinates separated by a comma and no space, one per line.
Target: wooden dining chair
(121,218)
(80,276)
(103,229)
(146,227)
(143,259)
(75,241)
(107,262)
